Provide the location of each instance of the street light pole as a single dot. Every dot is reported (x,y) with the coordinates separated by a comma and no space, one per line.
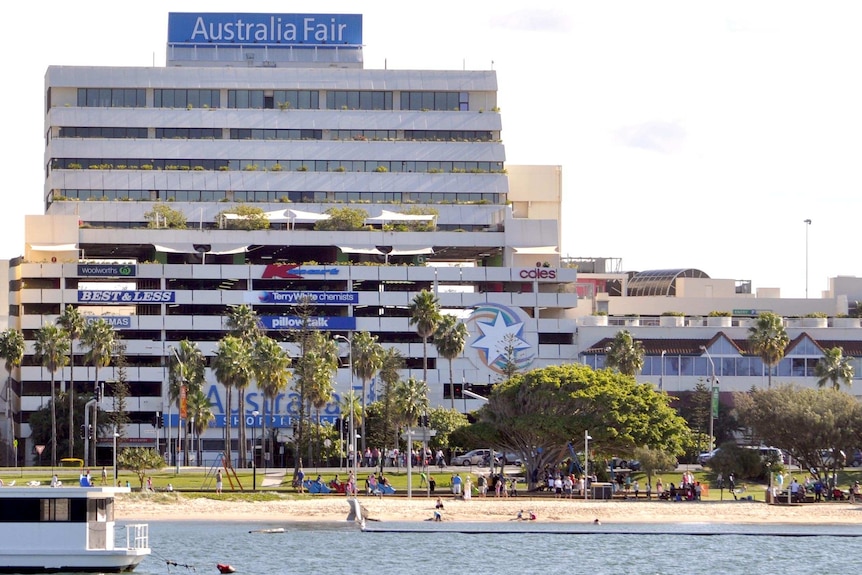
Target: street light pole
(352,426)
(807,225)
(254,414)
(587,439)
(713,399)
(661,378)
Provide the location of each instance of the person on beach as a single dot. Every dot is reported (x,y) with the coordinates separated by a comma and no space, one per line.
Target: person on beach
(439,504)
(218,482)
(432,484)
(456,485)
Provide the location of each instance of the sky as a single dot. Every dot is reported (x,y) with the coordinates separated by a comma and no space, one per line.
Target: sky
(690,134)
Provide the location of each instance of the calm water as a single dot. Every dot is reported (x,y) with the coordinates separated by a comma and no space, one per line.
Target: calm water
(437,549)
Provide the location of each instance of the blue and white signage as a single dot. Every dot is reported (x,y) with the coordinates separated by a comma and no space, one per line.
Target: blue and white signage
(126,296)
(115,321)
(296,322)
(305,297)
(264,29)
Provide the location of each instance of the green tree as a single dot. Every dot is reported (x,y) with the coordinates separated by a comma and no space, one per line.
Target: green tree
(538,413)
(835,368)
(343,219)
(450,337)
(140,460)
(98,337)
(625,354)
(12,352)
(654,461)
(411,401)
(52,348)
(232,368)
(351,406)
(200,416)
(119,416)
(164,216)
(315,370)
(244,323)
(390,374)
(73,322)
(246,217)
(769,340)
(445,421)
(186,368)
(41,429)
(367,358)
(806,423)
(424,312)
(270,368)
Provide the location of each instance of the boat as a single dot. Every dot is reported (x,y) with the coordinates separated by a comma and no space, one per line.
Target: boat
(51,529)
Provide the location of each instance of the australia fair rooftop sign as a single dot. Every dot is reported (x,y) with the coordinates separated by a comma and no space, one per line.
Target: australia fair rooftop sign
(264,29)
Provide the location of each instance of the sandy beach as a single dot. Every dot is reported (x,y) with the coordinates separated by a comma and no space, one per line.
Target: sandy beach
(176,507)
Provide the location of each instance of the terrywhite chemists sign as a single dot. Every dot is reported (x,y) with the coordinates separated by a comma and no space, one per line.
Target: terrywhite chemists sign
(263,29)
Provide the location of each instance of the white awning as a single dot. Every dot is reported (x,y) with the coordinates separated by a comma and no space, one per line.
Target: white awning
(214,249)
(54,247)
(537,250)
(394,252)
(387,216)
(306,217)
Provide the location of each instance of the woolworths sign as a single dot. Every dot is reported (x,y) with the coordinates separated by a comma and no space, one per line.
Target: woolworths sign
(107,270)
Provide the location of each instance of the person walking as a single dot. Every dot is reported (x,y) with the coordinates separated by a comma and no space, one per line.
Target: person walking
(218,482)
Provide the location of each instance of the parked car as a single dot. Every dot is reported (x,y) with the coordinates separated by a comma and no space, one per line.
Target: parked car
(621,463)
(474,457)
(504,459)
(704,457)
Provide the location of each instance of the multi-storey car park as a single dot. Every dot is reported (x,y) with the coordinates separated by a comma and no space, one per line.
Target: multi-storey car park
(276,111)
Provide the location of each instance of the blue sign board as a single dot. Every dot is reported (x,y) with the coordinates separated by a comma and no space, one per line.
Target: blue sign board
(296,322)
(210,28)
(310,297)
(125,296)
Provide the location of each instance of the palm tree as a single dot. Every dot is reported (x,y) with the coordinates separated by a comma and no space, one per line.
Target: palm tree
(625,354)
(313,374)
(390,375)
(367,357)
(352,406)
(232,368)
(270,367)
(12,351)
(52,349)
(425,313)
(411,401)
(200,414)
(73,322)
(769,340)
(450,339)
(244,323)
(98,337)
(187,367)
(834,367)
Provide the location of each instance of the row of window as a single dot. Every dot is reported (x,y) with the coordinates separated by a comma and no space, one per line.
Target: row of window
(306,197)
(724,366)
(275,165)
(273,99)
(273,134)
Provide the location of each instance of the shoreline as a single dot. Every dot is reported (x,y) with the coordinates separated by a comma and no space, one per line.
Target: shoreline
(175,507)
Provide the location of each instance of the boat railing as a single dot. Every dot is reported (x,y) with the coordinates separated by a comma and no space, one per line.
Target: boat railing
(138,536)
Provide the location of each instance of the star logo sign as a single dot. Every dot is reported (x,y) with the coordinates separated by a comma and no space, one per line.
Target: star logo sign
(500,338)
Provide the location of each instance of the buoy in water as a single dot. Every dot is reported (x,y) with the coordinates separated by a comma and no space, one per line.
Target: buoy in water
(225,568)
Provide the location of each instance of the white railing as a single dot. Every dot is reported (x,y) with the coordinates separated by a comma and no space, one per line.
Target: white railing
(138,536)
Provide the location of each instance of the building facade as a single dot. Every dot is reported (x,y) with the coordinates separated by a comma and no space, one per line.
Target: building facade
(296,129)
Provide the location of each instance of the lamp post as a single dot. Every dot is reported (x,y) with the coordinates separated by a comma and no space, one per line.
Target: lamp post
(661,377)
(182,408)
(807,225)
(713,402)
(115,454)
(254,414)
(352,431)
(587,439)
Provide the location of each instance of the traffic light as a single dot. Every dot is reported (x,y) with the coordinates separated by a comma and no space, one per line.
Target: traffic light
(157,420)
(345,427)
(83,431)
(458,390)
(98,393)
(423,420)
(90,432)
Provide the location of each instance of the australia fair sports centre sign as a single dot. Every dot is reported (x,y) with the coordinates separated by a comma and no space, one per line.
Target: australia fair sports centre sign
(261,29)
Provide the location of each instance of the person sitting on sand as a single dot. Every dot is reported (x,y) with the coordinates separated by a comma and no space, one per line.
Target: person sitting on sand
(439,504)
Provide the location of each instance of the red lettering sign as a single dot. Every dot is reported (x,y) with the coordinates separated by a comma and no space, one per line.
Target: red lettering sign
(280,271)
